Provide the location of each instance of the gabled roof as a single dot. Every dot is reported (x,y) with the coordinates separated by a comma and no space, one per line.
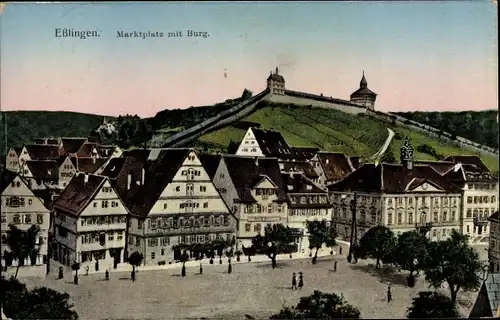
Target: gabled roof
(463,173)
(298,183)
(158,174)
(336,166)
(44,169)
(391,178)
(88,165)
(18,150)
(210,163)
(304,153)
(488,298)
(78,193)
(470,160)
(6,178)
(246,172)
(273,144)
(71,145)
(299,166)
(442,167)
(43,151)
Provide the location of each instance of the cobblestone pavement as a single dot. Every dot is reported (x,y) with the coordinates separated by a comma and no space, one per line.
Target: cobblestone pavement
(254,289)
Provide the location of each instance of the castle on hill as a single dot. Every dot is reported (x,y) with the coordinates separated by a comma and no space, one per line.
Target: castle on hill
(361,100)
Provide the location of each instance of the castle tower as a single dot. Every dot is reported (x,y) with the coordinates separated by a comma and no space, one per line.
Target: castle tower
(364,96)
(407,154)
(276,83)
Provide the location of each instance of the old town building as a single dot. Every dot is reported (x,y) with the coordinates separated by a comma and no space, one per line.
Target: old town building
(12,160)
(254,190)
(399,196)
(494,243)
(90,223)
(171,200)
(22,208)
(480,194)
(306,202)
(332,167)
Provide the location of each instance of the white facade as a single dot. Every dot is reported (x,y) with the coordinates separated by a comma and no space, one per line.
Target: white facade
(97,233)
(189,210)
(480,200)
(425,204)
(12,161)
(249,146)
(252,217)
(23,209)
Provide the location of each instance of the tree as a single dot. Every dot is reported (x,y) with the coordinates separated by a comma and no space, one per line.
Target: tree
(320,232)
(40,303)
(22,243)
(275,240)
(430,305)
(232,147)
(377,243)
(410,252)
(320,306)
(247,94)
(453,261)
(75,266)
(135,260)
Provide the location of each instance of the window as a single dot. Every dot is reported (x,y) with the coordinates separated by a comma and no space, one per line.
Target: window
(140,224)
(400,217)
(469,213)
(248,227)
(164,206)
(270,208)
(445,216)
(469,199)
(435,216)
(30,201)
(39,218)
(410,200)
(120,235)
(205,205)
(111,236)
(4,218)
(468,229)
(493,199)
(389,218)
(152,242)
(152,255)
(27,218)
(400,200)
(104,203)
(410,218)
(178,188)
(95,204)
(203,188)
(165,241)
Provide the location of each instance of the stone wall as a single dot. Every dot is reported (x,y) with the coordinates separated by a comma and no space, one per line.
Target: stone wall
(310,102)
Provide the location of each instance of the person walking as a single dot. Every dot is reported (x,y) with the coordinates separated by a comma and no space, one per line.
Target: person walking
(389,294)
(106,274)
(335,266)
(61,275)
(87,270)
(201,269)
(294,281)
(301,280)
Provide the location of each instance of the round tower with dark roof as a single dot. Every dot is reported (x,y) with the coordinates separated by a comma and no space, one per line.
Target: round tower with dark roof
(364,96)
(276,83)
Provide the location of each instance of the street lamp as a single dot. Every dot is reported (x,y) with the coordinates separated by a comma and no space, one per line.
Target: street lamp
(353,225)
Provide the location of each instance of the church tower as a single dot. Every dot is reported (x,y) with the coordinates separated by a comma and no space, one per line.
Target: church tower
(364,96)
(276,83)
(407,154)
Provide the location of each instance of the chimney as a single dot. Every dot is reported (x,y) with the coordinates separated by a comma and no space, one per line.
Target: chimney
(129,180)
(85,178)
(143,176)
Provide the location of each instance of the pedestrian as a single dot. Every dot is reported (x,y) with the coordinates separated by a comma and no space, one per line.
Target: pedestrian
(201,269)
(301,280)
(335,266)
(106,274)
(61,275)
(229,267)
(340,250)
(294,281)
(87,270)
(389,294)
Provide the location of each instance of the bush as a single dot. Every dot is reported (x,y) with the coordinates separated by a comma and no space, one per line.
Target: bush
(425,148)
(161,263)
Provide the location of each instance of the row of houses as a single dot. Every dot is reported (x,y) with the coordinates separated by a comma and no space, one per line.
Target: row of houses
(152,200)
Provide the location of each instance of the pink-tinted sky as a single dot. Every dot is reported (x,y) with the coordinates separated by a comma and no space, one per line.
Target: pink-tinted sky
(416,56)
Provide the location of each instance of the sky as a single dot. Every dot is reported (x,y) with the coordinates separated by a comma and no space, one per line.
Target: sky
(427,56)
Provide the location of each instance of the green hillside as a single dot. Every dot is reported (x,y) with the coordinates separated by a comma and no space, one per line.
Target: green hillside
(24,126)
(477,126)
(333,130)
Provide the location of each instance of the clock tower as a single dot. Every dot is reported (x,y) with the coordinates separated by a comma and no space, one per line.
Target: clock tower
(407,154)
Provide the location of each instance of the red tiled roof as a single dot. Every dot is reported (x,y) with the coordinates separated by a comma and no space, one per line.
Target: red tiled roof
(43,151)
(78,193)
(391,178)
(88,165)
(246,172)
(299,166)
(272,144)
(335,165)
(471,160)
(210,163)
(44,169)
(6,178)
(71,145)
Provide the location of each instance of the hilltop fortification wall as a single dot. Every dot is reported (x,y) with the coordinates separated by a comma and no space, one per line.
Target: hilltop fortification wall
(327,103)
